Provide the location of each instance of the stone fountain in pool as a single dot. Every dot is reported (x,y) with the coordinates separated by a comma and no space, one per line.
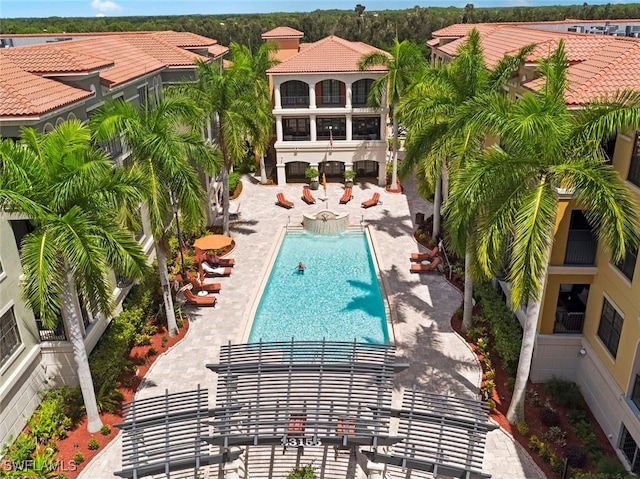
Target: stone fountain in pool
(325,222)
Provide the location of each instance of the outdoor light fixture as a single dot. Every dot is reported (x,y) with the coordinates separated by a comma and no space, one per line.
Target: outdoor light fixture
(582,353)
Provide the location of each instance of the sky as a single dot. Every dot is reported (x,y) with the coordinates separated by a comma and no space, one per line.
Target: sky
(93,8)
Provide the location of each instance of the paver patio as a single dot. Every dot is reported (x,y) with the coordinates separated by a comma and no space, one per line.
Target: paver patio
(439,359)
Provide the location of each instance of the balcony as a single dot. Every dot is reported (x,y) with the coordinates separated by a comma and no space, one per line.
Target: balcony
(289,101)
(331,101)
(581,248)
(57,334)
(571,307)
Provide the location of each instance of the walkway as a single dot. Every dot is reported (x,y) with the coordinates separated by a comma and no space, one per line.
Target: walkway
(440,360)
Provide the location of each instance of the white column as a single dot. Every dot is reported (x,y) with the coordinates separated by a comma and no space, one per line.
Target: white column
(349,125)
(348,99)
(312,95)
(231,470)
(279,128)
(382,169)
(282,173)
(276,96)
(313,128)
(376,470)
(383,127)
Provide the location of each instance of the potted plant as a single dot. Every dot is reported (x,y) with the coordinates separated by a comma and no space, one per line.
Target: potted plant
(312,175)
(349,175)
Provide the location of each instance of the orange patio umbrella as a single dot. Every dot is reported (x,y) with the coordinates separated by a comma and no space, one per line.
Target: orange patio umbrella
(212,242)
(324,183)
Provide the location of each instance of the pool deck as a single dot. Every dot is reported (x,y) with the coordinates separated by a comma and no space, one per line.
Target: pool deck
(440,361)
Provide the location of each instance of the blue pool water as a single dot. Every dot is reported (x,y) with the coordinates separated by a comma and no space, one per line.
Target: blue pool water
(337,297)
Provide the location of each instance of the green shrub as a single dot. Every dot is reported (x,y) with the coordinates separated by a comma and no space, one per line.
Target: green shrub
(531,396)
(150,329)
(576,456)
(523,428)
(49,420)
(476,332)
(564,393)
(534,443)
(482,345)
(234,177)
(305,472)
(105,430)
(21,449)
(492,405)
(142,340)
(490,374)
(575,416)
(557,463)
(507,333)
(585,432)
(610,465)
(151,352)
(78,458)
(93,444)
(487,388)
(545,451)
(598,475)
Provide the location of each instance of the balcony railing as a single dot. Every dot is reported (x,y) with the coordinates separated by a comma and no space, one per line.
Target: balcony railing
(113,147)
(331,101)
(57,334)
(581,248)
(294,101)
(296,137)
(359,101)
(568,322)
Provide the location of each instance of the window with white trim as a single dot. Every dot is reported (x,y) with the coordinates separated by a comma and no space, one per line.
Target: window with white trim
(629,448)
(610,327)
(9,335)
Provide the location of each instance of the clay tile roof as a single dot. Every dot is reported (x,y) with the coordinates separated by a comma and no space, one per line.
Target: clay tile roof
(163,51)
(283,32)
(329,55)
(184,39)
(433,42)
(25,94)
(129,61)
(217,50)
(55,58)
(462,29)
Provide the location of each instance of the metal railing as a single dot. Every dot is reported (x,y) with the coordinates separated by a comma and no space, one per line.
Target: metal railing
(581,248)
(56,334)
(568,322)
(294,101)
(328,101)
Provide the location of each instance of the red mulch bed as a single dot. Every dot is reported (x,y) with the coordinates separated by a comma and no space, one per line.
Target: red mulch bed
(77,438)
(502,398)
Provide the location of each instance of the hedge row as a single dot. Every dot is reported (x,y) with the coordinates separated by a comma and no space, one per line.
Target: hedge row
(504,326)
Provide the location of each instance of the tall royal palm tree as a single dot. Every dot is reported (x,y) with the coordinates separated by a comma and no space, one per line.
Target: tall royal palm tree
(255,65)
(71,194)
(166,145)
(509,196)
(438,137)
(403,62)
(239,105)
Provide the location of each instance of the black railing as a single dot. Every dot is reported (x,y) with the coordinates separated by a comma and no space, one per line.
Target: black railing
(57,334)
(113,147)
(581,248)
(568,322)
(328,101)
(360,101)
(294,101)
(296,137)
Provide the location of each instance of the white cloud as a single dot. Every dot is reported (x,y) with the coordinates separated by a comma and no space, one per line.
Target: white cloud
(100,15)
(105,6)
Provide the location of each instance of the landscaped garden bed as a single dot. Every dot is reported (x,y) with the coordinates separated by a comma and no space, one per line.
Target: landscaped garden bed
(558,425)
(56,439)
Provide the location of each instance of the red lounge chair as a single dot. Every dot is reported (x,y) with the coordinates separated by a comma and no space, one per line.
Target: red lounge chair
(223,262)
(283,202)
(346,197)
(426,268)
(199,300)
(425,256)
(208,287)
(307,197)
(375,199)
(226,262)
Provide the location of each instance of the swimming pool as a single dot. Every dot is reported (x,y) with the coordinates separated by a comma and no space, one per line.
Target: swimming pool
(338,296)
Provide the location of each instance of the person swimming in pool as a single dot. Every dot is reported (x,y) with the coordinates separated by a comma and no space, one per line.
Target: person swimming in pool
(300,268)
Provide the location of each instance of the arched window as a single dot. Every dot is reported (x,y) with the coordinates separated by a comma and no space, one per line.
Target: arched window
(294,94)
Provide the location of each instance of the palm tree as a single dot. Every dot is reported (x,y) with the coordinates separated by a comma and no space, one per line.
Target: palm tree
(255,65)
(510,194)
(165,143)
(70,192)
(403,63)
(438,137)
(240,108)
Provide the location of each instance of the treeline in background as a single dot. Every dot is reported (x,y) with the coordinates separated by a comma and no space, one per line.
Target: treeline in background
(376,28)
